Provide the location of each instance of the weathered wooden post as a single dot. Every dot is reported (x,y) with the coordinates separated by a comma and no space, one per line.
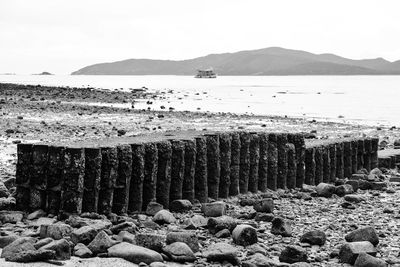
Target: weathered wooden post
(235,164)
(254,162)
(374,153)
(360,154)
(109,174)
(244,171)
(190,166)
(136,186)
(367,153)
(347,158)
(164,172)
(310,166)
(150,173)
(354,155)
(22,176)
(272,162)
(38,177)
(282,160)
(92,179)
(292,165)
(339,160)
(326,163)
(225,162)
(213,165)
(123,181)
(177,169)
(263,163)
(319,169)
(333,158)
(200,176)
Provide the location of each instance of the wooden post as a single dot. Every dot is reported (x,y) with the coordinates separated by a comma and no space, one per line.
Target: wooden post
(109,174)
(310,166)
(339,160)
(235,164)
(333,158)
(319,169)
(326,164)
(292,165)
(164,173)
(254,162)
(136,186)
(213,165)
(354,156)
(244,171)
(190,166)
(367,153)
(38,177)
(360,154)
(177,169)
(272,161)
(22,176)
(347,159)
(200,176)
(225,162)
(282,140)
(150,173)
(92,179)
(263,163)
(122,184)
(374,153)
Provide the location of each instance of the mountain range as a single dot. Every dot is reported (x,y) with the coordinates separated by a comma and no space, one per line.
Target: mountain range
(267,61)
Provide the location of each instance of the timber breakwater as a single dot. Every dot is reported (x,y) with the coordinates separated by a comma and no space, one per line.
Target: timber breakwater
(123,175)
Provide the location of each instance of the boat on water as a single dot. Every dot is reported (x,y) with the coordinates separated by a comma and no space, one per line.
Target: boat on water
(207,73)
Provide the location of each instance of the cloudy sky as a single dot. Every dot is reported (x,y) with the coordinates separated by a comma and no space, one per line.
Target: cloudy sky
(62,36)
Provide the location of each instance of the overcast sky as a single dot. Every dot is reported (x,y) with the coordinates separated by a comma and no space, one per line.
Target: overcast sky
(62,36)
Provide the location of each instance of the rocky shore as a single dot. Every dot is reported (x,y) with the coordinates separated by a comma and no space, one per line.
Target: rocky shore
(309,225)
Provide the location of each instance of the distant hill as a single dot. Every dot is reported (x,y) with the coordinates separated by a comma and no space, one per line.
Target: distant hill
(267,61)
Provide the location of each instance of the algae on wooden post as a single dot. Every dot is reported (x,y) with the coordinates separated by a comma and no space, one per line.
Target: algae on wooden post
(213,165)
(263,163)
(244,171)
(292,165)
(190,166)
(360,154)
(200,176)
(136,186)
(374,153)
(300,146)
(282,140)
(164,173)
(310,166)
(319,167)
(235,164)
(367,153)
(254,162)
(347,158)
(22,176)
(326,164)
(354,156)
(333,158)
(225,162)
(109,174)
(272,162)
(38,178)
(150,173)
(121,189)
(72,188)
(339,160)
(177,169)
(92,179)
(55,172)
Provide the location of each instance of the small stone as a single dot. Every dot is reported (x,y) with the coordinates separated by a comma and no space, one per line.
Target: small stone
(61,247)
(189,238)
(244,235)
(82,251)
(214,209)
(292,254)
(124,226)
(223,234)
(376,172)
(343,190)
(100,243)
(55,231)
(11,216)
(363,234)
(180,205)
(380,186)
(265,205)
(43,242)
(127,237)
(221,252)
(348,205)
(354,183)
(219,223)
(84,235)
(264,217)
(353,198)
(164,217)
(179,252)
(36,214)
(350,251)
(33,256)
(153,208)
(134,254)
(281,227)
(366,260)
(151,241)
(315,237)
(325,190)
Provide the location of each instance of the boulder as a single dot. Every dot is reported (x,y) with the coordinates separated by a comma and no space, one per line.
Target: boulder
(61,247)
(7,239)
(43,242)
(342,190)
(353,198)
(195,222)
(82,251)
(363,234)
(265,205)
(134,254)
(55,231)
(221,252)
(97,224)
(153,207)
(151,241)
(17,246)
(350,251)
(244,235)
(84,235)
(180,205)
(354,183)
(292,254)
(124,226)
(281,227)
(100,243)
(127,237)
(264,217)
(36,214)
(164,217)
(325,190)
(189,238)
(219,223)
(366,260)
(380,186)
(315,237)
(33,256)
(223,234)
(9,216)
(214,209)
(179,252)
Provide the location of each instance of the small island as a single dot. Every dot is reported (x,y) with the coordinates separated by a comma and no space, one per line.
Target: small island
(44,73)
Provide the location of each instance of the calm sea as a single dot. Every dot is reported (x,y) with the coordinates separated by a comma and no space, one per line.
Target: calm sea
(361,99)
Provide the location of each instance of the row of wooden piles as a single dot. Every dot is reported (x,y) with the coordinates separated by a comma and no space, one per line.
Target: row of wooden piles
(389,158)
(126,174)
(326,160)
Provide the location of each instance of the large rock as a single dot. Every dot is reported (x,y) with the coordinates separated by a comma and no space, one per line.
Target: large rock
(264,217)
(350,251)
(61,247)
(281,227)
(195,222)
(352,198)
(7,216)
(179,252)
(363,234)
(84,235)
(7,239)
(315,237)
(153,207)
(221,252)
(100,243)
(97,224)
(82,251)
(219,223)
(214,209)
(189,238)
(124,226)
(127,237)
(366,260)
(325,190)
(180,205)
(244,235)
(19,245)
(292,254)
(33,256)
(151,241)
(265,205)
(344,189)
(55,231)
(134,254)
(164,217)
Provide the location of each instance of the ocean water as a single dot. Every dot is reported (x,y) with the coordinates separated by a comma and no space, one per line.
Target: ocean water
(373,100)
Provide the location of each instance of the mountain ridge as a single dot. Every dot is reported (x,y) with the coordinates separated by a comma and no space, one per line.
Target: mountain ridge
(265,61)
